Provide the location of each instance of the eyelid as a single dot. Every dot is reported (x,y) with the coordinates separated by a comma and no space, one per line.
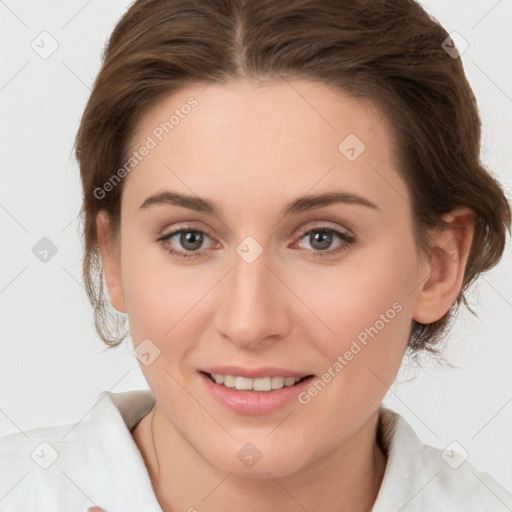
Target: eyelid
(323,224)
(182,226)
(346,236)
(317,224)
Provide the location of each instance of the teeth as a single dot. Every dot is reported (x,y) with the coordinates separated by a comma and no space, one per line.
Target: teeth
(229,380)
(243,383)
(277,382)
(260,384)
(290,381)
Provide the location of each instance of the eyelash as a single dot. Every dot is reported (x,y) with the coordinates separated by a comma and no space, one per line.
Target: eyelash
(348,240)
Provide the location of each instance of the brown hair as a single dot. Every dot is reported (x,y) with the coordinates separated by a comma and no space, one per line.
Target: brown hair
(387,51)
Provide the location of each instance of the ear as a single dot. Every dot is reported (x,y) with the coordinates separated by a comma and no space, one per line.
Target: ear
(111,261)
(443,271)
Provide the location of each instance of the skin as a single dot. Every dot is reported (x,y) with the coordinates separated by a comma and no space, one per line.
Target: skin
(252,148)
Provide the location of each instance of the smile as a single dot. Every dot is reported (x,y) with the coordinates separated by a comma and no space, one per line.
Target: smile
(259,384)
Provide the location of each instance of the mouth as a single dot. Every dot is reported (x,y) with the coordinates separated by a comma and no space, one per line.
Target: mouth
(254,391)
(260,384)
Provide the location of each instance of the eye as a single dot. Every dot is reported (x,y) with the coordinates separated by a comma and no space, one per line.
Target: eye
(189,238)
(320,238)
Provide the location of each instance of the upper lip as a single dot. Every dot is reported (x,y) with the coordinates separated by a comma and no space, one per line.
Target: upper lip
(254,373)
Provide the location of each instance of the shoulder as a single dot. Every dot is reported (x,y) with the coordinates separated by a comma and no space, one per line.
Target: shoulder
(112,413)
(420,477)
(76,464)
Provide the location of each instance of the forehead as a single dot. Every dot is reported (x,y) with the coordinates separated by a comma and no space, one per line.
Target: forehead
(247,139)
(300,111)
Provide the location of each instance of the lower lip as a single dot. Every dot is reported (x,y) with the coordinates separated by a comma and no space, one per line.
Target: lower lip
(254,403)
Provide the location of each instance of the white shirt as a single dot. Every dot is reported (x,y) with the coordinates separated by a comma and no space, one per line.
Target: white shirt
(96,463)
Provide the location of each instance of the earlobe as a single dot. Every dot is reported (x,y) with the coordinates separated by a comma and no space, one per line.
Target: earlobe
(111,261)
(443,272)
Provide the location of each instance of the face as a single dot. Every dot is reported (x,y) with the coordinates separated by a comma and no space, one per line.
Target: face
(266,285)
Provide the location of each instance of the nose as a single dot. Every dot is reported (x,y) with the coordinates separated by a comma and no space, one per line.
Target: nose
(252,304)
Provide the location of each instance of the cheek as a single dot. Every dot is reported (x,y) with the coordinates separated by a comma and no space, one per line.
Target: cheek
(371,318)
(161,301)
(367,306)
(167,318)
(365,297)
(158,292)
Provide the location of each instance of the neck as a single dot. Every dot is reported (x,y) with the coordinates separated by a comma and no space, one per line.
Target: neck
(346,479)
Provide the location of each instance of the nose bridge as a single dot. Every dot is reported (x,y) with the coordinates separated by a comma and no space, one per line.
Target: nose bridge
(251,308)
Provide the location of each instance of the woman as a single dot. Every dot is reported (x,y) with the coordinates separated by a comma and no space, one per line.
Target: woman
(283,198)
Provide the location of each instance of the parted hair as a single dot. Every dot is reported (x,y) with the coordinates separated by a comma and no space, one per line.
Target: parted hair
(391,52)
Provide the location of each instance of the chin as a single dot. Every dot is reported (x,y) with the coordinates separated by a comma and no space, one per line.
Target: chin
(247,460)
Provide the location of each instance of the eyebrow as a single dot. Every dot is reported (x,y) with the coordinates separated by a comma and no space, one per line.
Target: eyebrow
(298,205)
